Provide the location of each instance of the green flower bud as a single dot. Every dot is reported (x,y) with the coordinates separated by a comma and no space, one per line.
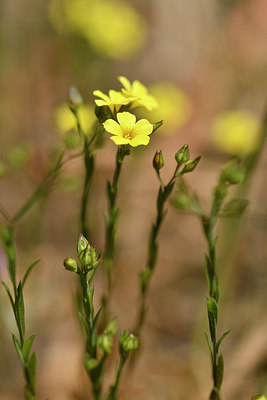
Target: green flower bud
(82,244)
(88,256)
(258,397)
(182,201)
(233,173)
(182,155)
(90,363)
(157,125)
(158,160)
(70,265)
(112,327)
(75,99)
(221,191)
(128,343)
(105,342)
(190,165)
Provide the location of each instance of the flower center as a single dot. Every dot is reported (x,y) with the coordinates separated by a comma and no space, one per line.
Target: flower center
(127,134)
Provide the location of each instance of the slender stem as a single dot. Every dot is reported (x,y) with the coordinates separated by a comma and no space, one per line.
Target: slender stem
(111,230)
(113,395)
(163,195)
(89,168)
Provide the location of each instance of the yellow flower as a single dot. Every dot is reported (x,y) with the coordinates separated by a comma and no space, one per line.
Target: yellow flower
(112,28)
(138,93)
(115,99)
(128,131)
(236,132)
(66,121)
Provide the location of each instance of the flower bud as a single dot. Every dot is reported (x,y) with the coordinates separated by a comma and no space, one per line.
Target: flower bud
(158,160)
(182,155)
(157,125)
(75,99)
(128,343)
(82,244)
(233,173)
(70,265)
(112,327)
(189,166)
(105,342)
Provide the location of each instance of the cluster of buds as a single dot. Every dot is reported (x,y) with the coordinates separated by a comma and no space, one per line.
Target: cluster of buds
(182,157)
(87,255)
(106,339)
(128,344)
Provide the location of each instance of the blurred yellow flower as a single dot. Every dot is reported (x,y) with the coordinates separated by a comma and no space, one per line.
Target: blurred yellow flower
(113,28)
(114,100)
(66,121)
(236,132)
(138,93)
(174,106)
(128,131)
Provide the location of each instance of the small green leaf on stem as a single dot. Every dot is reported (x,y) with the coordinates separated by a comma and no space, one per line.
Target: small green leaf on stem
(18,349)
(27,346)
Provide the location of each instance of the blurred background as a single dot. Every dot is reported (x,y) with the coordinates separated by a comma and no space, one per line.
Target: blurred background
(206,64)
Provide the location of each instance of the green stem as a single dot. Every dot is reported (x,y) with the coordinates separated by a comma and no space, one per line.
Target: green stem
(163,195)
(113,395)
(111,222)
(89,169)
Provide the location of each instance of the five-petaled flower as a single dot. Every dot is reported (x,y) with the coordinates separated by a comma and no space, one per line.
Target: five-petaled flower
(128,131)
(138,94)
(114,100)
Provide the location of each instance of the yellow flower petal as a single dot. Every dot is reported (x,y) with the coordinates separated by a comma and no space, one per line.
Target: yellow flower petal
(139,89)
(142,127)
(140,140)
(117,98)
(113,127)
(149,102)
(102,95)
(119,140)
(126,120)
(125,82)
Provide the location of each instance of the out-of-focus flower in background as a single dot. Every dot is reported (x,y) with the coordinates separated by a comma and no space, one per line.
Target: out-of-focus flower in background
(236,132)
(174,106)
(112,28)
(19,156)
(66,121)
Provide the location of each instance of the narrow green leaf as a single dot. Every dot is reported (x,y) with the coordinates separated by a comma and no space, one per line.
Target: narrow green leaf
(167,190)
(26,349)
(220,370)
(18,349)
(212,315)
(9,294)
(84,324)
(220,340)
(28,393)
(209,346)
(96,317)
(20,308)
(29,270)
(32,371)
